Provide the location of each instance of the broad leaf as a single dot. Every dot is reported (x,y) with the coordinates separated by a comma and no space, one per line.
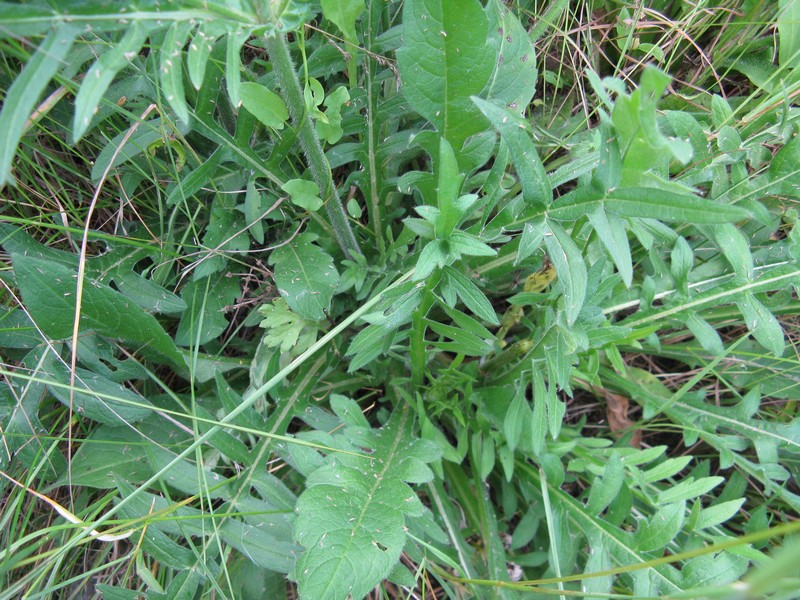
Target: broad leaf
(305,276)
(343,14)
(444,61)
(514,79)
(264,104)
(351,517)
(48,292)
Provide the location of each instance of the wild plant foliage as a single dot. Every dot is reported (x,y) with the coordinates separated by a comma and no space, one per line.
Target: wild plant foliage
(354,298)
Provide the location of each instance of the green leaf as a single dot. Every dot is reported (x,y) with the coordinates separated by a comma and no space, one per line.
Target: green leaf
(330,129)
(206,300)
(736,248)
(264,104)
(688,489)
(762,324)
(200,51)
(233,63)
(442,64)
(571,270)
(471,295)
(48,292)
(447,190)
(102,73)
(717,514)
(536,189)
(605,489)
(516,418)
(343,14)
(531,238)
(305,276)
(662,527)
(284,329)
(788,33)
(611,231)
(23,94)
(171,68)
(649,203)
(303,193)
(784,170)
(513,82)
(98,398)
(123,148)
(351,517)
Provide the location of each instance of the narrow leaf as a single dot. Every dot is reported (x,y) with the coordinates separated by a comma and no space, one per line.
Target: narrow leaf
(570,268)
(171,68)
(102,73)
(23,94)
(536,188)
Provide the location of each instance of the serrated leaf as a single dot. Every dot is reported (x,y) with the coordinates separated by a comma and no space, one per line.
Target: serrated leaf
(306,276)
(351,517)
(441,65)
(264,104)
(571,270)
(343,14)
(23,94)
(536,189)
(303,193)
(284,329)
(102,73)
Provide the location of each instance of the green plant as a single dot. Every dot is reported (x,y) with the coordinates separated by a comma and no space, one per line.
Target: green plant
(332,306)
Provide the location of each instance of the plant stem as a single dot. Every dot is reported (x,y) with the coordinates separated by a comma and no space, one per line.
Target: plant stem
(281,61)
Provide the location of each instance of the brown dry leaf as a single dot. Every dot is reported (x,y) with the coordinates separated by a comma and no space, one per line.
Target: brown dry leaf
(617,413)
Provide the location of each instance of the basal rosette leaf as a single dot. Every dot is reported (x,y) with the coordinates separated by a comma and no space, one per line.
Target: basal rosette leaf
(443,62)
(351,518)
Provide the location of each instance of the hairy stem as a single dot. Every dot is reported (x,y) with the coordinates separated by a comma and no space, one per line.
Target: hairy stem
(312,148)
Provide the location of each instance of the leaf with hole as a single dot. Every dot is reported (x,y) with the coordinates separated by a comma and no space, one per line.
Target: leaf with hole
(306,276)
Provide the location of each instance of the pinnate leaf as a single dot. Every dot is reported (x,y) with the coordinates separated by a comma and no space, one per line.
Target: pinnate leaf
(351,517)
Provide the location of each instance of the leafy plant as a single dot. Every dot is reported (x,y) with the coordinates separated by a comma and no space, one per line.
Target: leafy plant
(343,295)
